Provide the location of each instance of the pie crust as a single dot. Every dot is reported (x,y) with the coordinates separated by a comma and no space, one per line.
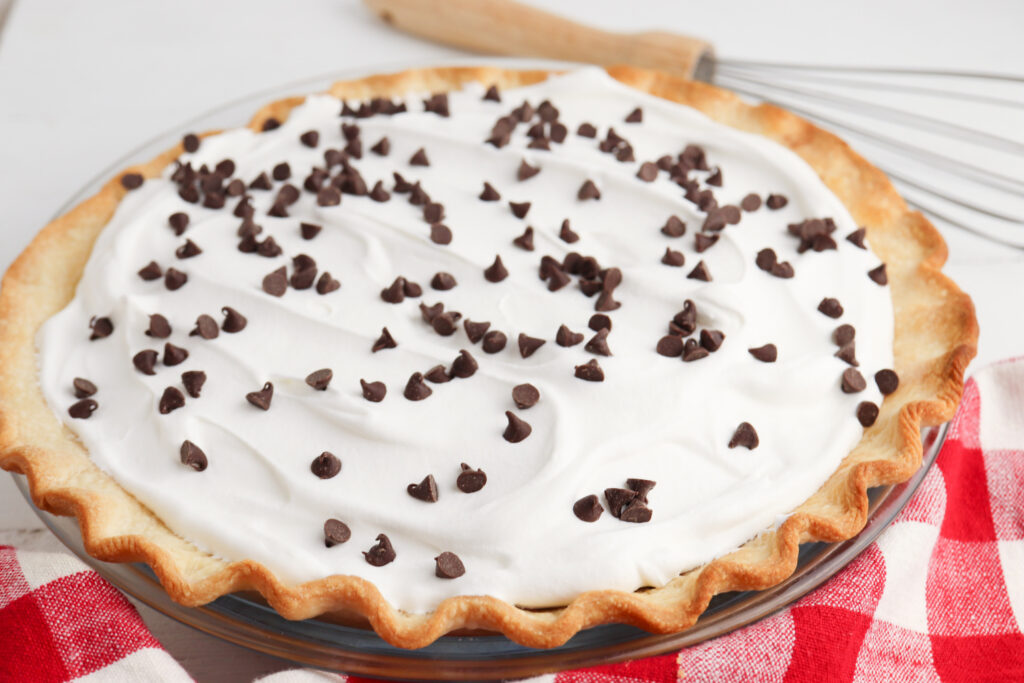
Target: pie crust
(935,338)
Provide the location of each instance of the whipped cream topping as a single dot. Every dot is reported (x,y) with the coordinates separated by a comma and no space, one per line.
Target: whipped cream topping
(653,417)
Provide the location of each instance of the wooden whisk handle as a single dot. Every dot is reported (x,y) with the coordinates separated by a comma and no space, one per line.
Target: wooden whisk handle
(507,27)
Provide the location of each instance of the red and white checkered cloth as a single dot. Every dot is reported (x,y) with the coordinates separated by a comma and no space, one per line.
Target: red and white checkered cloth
(939,596)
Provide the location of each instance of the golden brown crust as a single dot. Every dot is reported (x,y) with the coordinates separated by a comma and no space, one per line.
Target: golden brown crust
(936,336)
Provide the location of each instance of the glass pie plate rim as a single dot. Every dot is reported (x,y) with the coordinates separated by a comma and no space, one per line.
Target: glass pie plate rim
(321,644)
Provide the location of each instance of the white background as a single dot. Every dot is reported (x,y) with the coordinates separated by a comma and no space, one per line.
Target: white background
(83,82)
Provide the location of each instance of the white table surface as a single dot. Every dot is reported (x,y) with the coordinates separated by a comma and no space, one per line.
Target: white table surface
(81,83)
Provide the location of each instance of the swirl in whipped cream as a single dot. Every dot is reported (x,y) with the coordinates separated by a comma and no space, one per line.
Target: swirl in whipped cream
(653,417)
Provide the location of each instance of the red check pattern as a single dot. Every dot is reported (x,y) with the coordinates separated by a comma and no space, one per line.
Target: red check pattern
(939,596)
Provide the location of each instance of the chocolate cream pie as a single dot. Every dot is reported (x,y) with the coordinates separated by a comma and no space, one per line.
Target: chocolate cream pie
(510,350)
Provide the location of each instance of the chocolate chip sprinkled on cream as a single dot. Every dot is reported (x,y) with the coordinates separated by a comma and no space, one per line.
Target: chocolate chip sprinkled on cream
(470,480)
(131,181)
(193,381)
(588,190)
(519,209)
(635,116)
(188,250)
(856,237)
(262,398)
(693,351)
(751,203)
(848,353)
(475,330)
(492,94)
(83,410)
(319,379)
(831,307)
(276,283)
(590,371)
(496,272)
(673,258)
(193,456)
(525,241)
(648,172)
(445,324)
(745,436)
(586,130)
(159,328)
(887,380)
(566,337)
(525,396)
(419,158)
(327,284)
(83,388)
(879,275)
(599,321)
(704,241)
(373,392)
(700,272)
(233,320)
(415,389)
(174,279)
(190,143)
(171,400)
(598,344)
(867,413)
(673,227)
(443,281)
(151,271)
(489,194)
(101,327)
(711,339)
(336,532)
(326,465)
(270,123)
(670,345)
(464,365)
(617,500)
(178,222)
(766,354)
(776,201)
(145,361)
(566,233)
(437,375)
(852,382)
(174,355)
(440,234)
(636,512)
(261,182)
(526,171)
(843,335)
(588,508)
(528,345)
(206,327)
(448,566)
(517,429)
(395,292)
(411,289)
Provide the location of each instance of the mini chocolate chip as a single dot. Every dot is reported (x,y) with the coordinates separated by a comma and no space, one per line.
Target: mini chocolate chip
(783,269)
(599,321)
(174,355)
(519,209)
(470,480)
(648,172)
(276,283)
(426,490)
(373,392)
(394,293)
(636,512)
(867,413)
(566,233)
(525,241)
(415,389)
(670,345)
(437,103)
(178,222)
(492,94)
(704,241)
(336,532)
(145,361)
(673,258)
(586,130)
(83,388)
(558,132)
(587,508)
(848,353)
(517,429)
(776,201)
(206,327)
(750,203)
(711,339)
(831,307)
(852,381)
(428,313)
(174,279)
(526,171)
(588,190)
(225,168)
(693,351)
(193,381)
(496,272)
(489,194)
(131,181)
(566,337)
(686,319)
(320,379)
(261,182)
(419,158)
(856,237)
(151,271)
(440,234)
(325,465)
(190,142)
(411,289)
(464,365)
(887,380)
(599,343)
(327,284)
(158,327)
(590,371)
(475,331)
(171,400)
(528,345)
(448,566)
(879,275)
(233,320)
(843,335)
(193,456)
(268,248)
(384,341)
(494,341)
(433,212)
(437,375)
(378,193)
(635,116)
(328,196)
(310,138)
(618,499)
(262,398)
(673,227)
(525,396)
(270,123)
(700,272)
(745,436)
(282,171)
(606,302)
(83,410)
(236,188)
(641,486)
(445,324)
(766,354)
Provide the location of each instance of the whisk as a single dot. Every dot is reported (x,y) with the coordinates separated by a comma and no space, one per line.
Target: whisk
(961,174)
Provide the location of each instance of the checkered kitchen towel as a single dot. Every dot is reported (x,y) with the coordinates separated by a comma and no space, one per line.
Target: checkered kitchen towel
(939,596)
